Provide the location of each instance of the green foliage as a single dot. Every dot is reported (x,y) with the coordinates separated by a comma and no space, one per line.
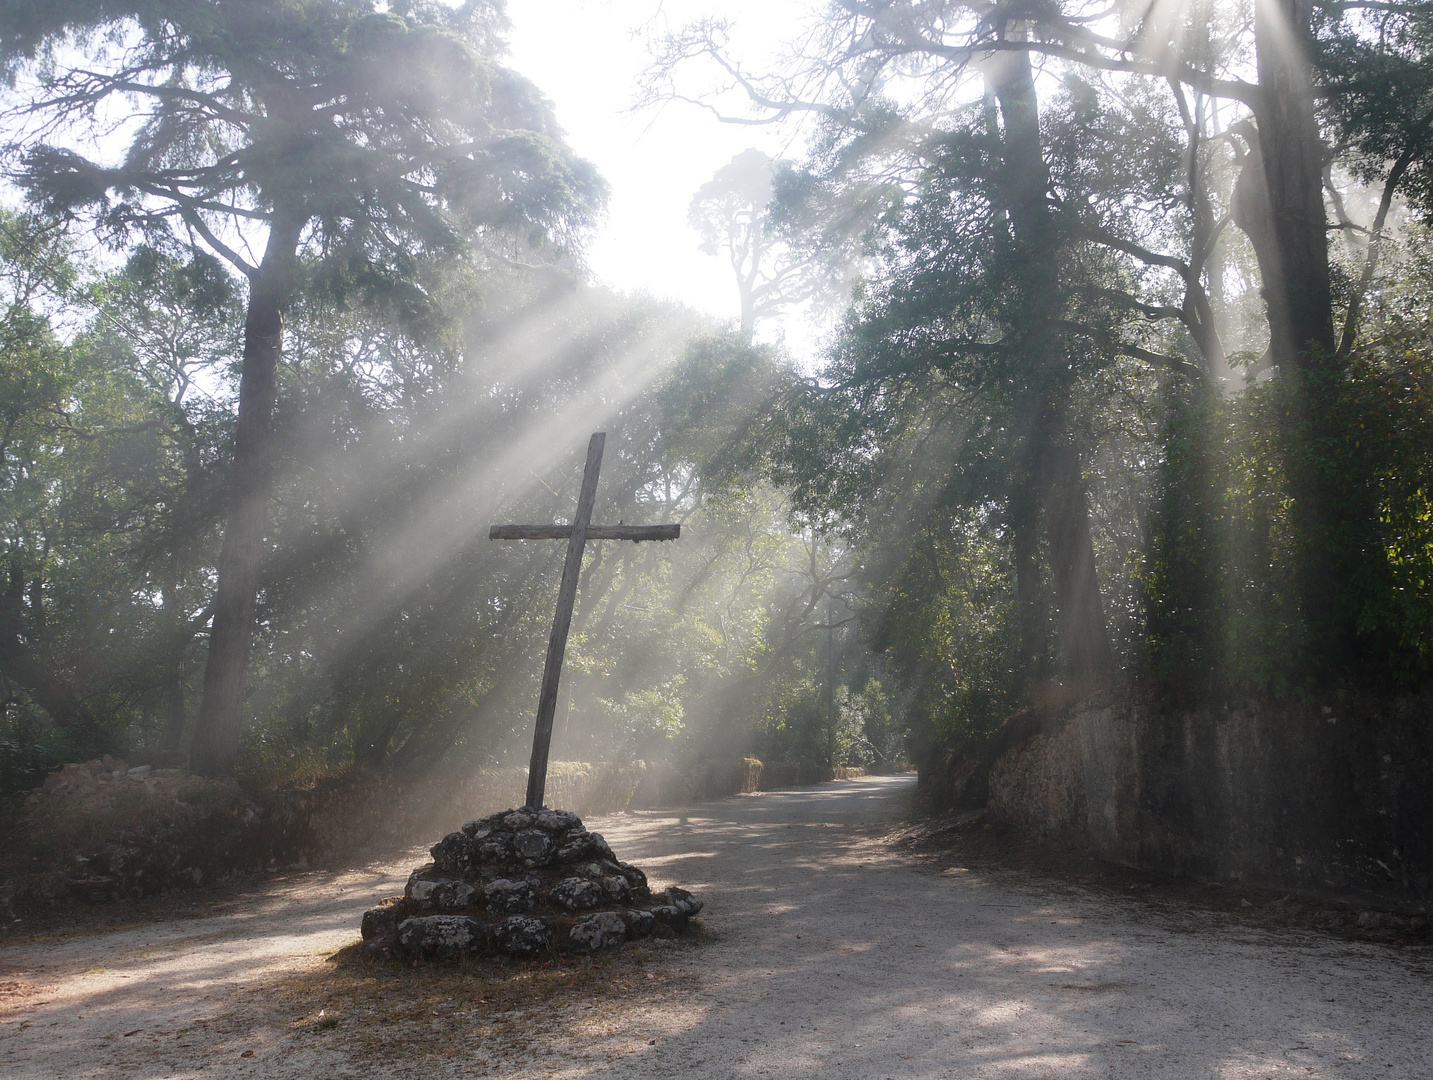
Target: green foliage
(108,500)
(375,135)
(868,551)
(1220,575)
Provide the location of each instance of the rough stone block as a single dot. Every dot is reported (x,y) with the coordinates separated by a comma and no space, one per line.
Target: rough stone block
(452,853)
(617,888)
(683,901)
(557,821)
(447,938)
(379,922)
(421,890)
(639,923)
(522,935)
(519,819)
(601,930)
(576,894)
(456,895)
(601,847)
(635,877)
(511,897)
(534,847)
(577,846)
(494,850)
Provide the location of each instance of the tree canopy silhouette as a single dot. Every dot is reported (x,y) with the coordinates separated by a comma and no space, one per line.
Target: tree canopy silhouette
(340,140)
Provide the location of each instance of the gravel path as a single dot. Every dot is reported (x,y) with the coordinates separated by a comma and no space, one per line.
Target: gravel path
(825,955)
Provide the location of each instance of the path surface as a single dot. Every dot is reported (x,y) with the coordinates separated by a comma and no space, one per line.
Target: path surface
(826,955)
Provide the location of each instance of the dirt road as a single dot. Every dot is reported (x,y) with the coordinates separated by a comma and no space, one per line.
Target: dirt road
(825,955)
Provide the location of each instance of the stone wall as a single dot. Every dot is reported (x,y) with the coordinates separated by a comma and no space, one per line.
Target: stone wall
(1334,795)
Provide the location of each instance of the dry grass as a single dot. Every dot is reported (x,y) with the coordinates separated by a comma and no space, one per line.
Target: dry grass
(384,1010)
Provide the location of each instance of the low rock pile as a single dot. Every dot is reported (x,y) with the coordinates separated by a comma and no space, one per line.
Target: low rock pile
(520,883)
(100,830)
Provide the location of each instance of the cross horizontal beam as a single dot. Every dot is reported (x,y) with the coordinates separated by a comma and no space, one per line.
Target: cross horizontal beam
(594,532)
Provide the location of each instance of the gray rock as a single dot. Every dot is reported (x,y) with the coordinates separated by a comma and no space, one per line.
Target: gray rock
(378,922)
(669,916)
(448,938)
(601,930)
(617,888)
(639,923)
(495,849)
(600,846)
(422,889)
(533,847)
(456,895)
(634,876)
(522,935)
(453,853)
(556,821)
(577,845)
(576,894)
(510,897)
(591,870)
(683,901)
(519,819)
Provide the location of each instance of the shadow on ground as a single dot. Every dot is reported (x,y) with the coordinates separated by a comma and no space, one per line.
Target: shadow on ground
(828,951)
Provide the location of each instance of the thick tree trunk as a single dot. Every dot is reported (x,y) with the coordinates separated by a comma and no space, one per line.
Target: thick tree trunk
(1251,210)
(1298,296)
(216,741)
(1331,519)
(1030,609)
(1084,639)
(1054,470)
(171,691)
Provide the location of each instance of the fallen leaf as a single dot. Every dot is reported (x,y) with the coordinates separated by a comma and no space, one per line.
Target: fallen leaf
(247,1053)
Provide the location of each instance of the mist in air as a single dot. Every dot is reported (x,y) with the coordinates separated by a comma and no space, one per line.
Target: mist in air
(985,366)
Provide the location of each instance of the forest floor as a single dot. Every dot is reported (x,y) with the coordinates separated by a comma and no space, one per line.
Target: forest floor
(838,941)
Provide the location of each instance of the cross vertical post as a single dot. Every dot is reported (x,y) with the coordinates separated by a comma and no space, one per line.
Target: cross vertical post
(562,622)
(577,534)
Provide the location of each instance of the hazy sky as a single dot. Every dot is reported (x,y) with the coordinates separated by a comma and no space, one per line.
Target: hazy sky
(587,56)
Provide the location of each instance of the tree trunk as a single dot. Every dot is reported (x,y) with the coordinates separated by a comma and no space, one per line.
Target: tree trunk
(216,741)
(1054,460)
(1331,518)
(1084,639)
(1251,210)
(172,689)
(1030,612)
(1298,297)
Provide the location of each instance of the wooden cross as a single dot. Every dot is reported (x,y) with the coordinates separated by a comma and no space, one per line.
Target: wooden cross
(577,534)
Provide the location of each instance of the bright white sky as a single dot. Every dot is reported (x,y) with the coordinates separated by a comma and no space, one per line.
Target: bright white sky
(587,56)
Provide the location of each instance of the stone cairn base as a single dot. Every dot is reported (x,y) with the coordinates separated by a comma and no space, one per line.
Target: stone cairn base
(520,883)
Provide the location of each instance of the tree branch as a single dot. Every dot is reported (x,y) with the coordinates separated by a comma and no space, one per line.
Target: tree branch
(1375,239)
